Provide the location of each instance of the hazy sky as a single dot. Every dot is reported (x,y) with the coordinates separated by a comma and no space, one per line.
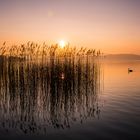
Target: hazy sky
(110,25)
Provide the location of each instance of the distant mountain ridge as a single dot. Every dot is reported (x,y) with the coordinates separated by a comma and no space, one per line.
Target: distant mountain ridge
(123,56)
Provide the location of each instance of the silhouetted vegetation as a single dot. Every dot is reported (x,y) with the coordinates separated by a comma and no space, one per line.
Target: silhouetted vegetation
(45,86)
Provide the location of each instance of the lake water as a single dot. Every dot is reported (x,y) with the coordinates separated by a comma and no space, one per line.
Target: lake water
(96,101)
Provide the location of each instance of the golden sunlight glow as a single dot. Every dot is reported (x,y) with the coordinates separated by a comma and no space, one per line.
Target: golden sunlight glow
(62,43)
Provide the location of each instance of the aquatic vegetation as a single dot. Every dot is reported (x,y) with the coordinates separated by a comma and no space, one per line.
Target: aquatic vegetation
(45,86)
(33,50)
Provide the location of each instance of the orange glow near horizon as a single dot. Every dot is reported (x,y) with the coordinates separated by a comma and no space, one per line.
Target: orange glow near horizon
(62,44)
(112,27)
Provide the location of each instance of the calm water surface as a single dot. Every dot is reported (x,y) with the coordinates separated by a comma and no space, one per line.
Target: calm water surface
(83,101)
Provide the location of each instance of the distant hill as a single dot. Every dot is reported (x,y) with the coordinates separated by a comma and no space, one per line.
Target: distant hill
(122,57)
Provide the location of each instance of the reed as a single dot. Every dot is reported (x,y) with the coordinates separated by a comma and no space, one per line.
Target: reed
(34,51)
(45,86)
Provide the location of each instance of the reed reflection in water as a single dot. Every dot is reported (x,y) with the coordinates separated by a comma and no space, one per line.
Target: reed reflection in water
(54,93)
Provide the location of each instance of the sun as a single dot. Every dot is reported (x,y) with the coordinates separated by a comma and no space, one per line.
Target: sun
(62,43)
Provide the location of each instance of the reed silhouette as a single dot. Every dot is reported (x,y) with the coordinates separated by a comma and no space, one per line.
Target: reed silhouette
(48,87)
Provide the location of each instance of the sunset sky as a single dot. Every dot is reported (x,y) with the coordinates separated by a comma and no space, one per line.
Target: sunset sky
(110,25)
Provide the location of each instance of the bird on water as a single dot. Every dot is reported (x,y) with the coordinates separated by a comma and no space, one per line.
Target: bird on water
(130,70)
